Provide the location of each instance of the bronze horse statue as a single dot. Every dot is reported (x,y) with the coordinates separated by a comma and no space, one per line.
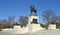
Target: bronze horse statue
(32,9)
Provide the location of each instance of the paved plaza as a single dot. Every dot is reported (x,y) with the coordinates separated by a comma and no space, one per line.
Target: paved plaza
(41,32)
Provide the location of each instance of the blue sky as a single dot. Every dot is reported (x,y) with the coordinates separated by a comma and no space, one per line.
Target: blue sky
(21,7)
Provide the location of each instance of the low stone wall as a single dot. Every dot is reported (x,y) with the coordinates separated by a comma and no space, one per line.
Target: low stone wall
(52,26)
(19,30)
(7,29)
(31,28)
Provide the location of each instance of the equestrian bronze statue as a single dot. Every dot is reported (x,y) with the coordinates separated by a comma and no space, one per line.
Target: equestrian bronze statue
(33,10)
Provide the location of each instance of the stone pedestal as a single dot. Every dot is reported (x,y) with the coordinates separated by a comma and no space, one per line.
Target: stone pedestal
(36,27)
(52,26)
(31,18)
(33,25)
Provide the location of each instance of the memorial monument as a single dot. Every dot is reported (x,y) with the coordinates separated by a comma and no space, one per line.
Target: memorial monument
(33,20)
(32,26)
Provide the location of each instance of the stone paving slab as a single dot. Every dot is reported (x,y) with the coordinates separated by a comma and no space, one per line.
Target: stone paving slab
(41,32)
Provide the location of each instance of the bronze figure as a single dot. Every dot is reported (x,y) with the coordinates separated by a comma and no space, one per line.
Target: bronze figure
(32,9)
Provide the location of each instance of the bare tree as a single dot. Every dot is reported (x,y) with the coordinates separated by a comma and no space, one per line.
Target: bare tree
(23,20)
(47,15)
(3,21)
(54,19)
(11,19)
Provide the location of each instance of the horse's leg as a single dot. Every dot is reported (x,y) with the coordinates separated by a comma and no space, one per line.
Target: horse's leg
(35,12)
(31,12)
